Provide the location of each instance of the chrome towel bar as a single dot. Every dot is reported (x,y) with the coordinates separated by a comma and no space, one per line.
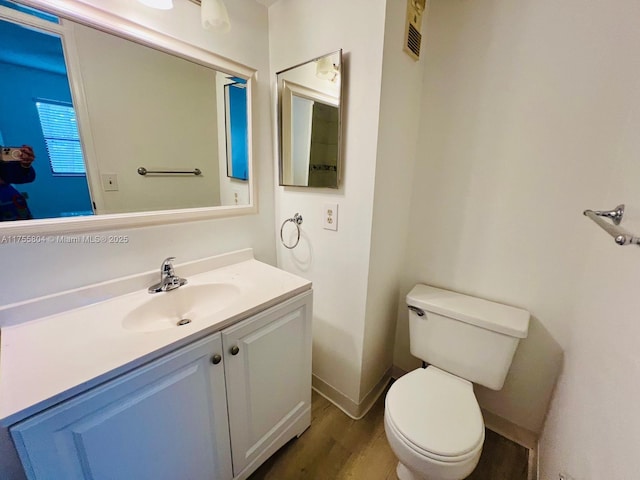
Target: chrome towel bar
(619,234)
(143,171)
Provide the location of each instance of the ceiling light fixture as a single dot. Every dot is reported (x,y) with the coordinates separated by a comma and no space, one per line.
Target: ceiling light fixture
(327,70)
(215,16)
(213,13)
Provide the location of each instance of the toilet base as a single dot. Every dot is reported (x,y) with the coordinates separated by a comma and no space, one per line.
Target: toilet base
(404,473)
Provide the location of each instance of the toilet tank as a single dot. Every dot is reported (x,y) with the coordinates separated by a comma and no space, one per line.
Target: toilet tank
(467,336)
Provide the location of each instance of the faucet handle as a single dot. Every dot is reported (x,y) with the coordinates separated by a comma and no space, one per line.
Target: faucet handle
(167,265)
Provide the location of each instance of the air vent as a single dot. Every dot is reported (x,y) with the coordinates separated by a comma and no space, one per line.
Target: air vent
(413,37)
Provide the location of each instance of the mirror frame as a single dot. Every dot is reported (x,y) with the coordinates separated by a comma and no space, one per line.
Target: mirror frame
(285,89)
(69,10)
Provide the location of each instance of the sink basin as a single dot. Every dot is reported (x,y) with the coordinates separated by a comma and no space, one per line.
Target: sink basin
(181,306)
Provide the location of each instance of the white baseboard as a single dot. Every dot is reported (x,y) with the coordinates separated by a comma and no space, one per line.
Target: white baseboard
(397,372)
(516,434)
(344,403)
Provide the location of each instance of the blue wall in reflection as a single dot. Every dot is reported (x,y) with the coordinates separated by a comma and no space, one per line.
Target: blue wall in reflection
(32,67)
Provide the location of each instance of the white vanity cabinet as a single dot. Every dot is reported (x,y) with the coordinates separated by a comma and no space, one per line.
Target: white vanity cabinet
(246,389)
(268,369)
(165,420)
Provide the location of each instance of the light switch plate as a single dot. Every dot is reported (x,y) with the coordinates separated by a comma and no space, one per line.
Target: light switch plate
(109,182)
(330,216)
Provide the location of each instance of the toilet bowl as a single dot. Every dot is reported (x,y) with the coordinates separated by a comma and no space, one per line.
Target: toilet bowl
(432,418)
(434,425)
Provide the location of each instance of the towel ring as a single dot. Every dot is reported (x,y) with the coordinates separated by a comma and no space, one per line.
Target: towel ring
(297,221)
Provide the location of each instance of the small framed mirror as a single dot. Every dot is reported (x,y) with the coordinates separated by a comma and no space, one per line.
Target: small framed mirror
(310,126)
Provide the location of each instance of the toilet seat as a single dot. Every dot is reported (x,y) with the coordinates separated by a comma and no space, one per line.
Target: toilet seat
(436,415)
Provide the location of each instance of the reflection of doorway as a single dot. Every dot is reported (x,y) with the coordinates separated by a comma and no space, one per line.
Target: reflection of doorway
(33,68)
(314,143)
(301,118)
(323,156)
(310,135)
(236,121)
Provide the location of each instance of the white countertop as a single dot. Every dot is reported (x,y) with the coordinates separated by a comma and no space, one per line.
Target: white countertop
(49,359)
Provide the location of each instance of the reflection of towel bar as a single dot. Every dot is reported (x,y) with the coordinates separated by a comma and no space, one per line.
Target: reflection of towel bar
(317,167)
(195,171)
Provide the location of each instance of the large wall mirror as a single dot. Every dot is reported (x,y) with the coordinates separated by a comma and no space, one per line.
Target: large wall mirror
(130,131)
(309,103)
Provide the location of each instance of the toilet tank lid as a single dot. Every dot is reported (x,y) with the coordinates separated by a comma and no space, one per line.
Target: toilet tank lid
(493,316)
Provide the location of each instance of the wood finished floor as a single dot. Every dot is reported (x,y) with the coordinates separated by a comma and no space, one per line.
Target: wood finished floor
(336,447)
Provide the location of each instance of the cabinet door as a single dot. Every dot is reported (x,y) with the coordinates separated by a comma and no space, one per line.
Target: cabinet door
(163,421)
(268,372)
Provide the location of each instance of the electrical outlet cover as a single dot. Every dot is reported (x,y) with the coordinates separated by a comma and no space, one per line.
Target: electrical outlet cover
(330,216)
(109,182)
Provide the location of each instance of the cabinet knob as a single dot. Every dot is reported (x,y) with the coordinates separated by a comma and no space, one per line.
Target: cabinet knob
(234,350)
(216,359)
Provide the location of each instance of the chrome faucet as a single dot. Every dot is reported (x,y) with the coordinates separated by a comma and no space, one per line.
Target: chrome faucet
(168,278)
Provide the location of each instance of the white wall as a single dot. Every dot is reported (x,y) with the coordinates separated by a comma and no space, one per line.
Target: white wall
(530,114)
(336,262)
(593,430)
(47,268)
(397,140)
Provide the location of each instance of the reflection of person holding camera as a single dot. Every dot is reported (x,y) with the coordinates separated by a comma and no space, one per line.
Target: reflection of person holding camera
(13,205)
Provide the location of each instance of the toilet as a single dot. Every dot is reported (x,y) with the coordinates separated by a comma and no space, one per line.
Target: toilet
(432,419)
